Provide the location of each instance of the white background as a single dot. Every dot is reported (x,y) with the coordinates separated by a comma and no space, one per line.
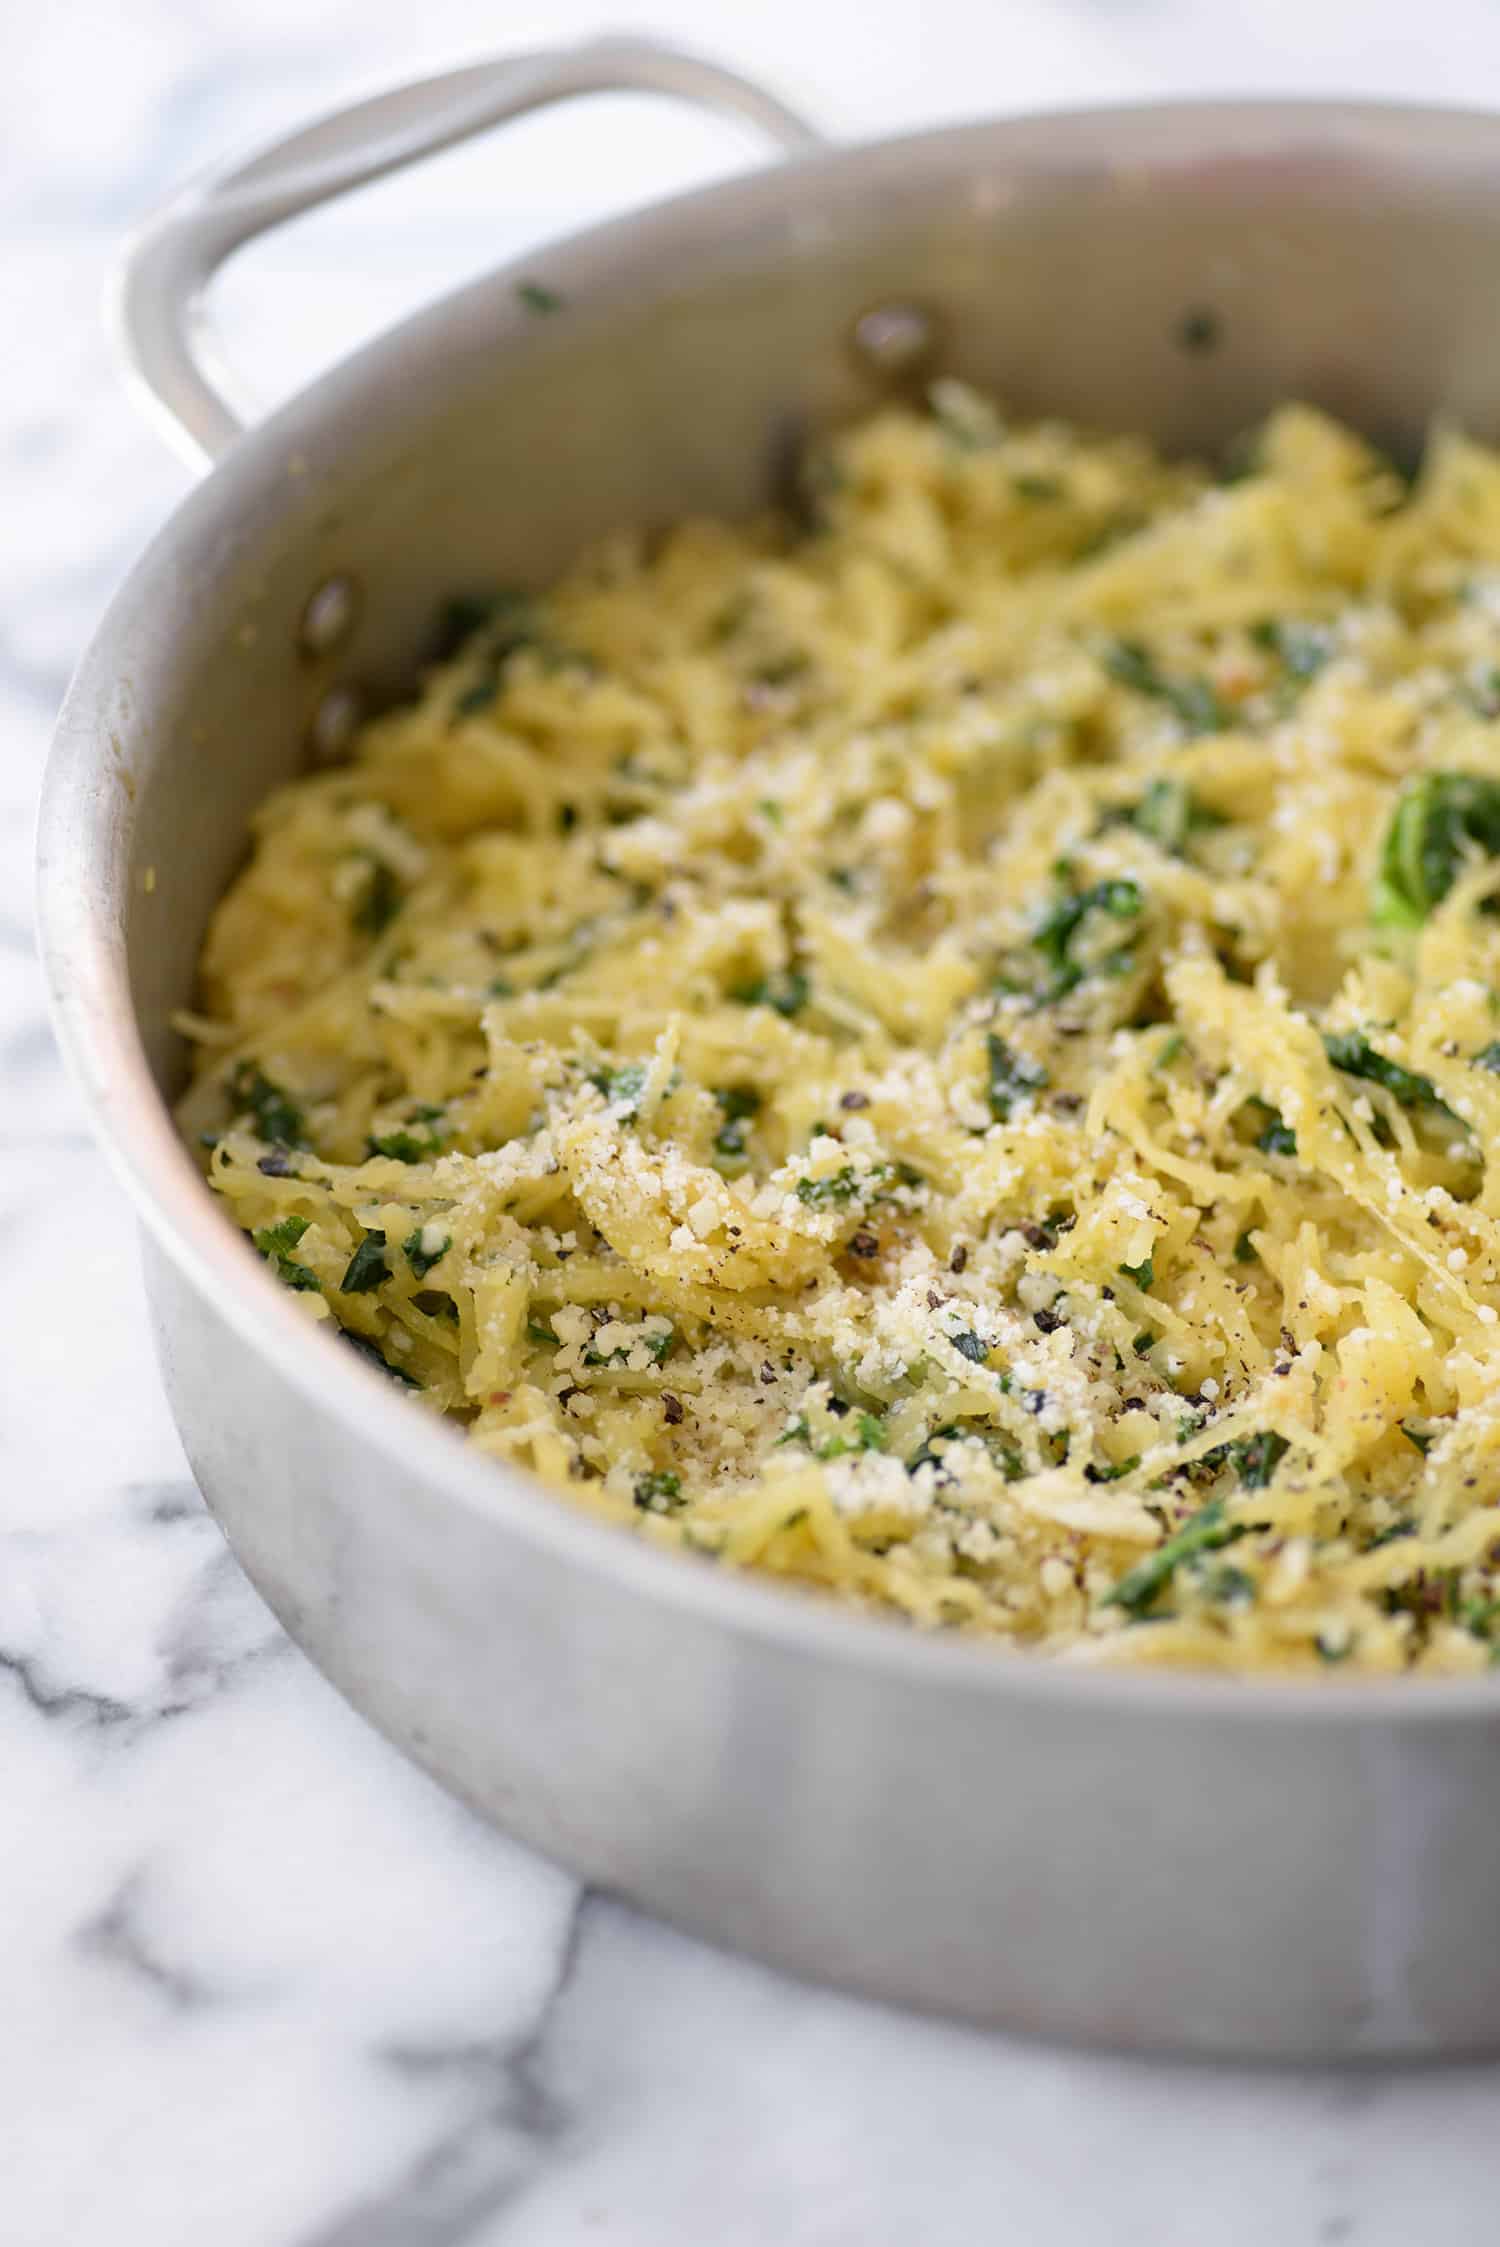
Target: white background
(260,1986)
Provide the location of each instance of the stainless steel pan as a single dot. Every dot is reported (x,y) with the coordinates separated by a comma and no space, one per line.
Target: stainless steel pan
(1147,1860)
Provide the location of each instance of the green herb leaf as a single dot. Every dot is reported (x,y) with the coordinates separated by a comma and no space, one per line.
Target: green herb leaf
(973,1347)
(1169,813)
(1230,1587)
(459,618)
(1356,1057)
(1113,531)
(276,1243)
(1439,817)
(367,1268)
(1012,1077)
(1139,1588)
(510,623)
(658,1493)
(1301,649)
(788,992)
(1055,934)
(407,1146)
(738,1104)
(1130,664)
(1245,1251)
(1274,1137)
(281,1238)
(537,298)
(622,1087)
(1256,1458)
(866,1433)
(659,1345)
(1480,1616)
(380,900)
(1142,1274)
(421,1259)
(276,1116)
(1115,1473)
(825,1193)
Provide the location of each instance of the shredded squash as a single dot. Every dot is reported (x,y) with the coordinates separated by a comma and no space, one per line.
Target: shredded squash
(947,1052)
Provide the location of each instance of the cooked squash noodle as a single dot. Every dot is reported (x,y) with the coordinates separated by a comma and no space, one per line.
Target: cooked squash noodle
(947,1052)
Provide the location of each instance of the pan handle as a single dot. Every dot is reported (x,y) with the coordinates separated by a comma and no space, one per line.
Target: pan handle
(159,307)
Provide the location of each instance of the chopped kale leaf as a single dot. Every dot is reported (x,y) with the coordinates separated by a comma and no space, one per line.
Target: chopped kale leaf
(824,1193)
(1301,649)
(787,991)
(1170,813)
(367,1268)
(1012,1077)
(1356,1057)
(972,1346)
(1274,1137)
(658,1493)
(1193,700)
(380,900)
(276,1243)
(1140,1587)
(1439,819)
(1115,1473)
(422,1259)
(276,1116)
(1256,1458)
(622,1087)
(1056,933)
(738,1104)
(404,1145)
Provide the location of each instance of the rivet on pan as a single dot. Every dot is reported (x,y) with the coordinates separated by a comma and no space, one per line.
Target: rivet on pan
(328,616)
(334,724)
(894,340)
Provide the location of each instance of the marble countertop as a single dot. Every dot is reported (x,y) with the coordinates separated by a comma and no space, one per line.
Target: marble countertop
(261,1985)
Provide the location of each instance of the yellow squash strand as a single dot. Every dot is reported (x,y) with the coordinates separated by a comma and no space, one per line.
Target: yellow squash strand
(950,1054)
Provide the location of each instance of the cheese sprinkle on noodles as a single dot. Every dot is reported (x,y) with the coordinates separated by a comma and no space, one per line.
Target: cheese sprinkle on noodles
(948,1052)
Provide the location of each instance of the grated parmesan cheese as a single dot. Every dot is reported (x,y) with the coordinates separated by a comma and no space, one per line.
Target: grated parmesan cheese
(954,1061)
